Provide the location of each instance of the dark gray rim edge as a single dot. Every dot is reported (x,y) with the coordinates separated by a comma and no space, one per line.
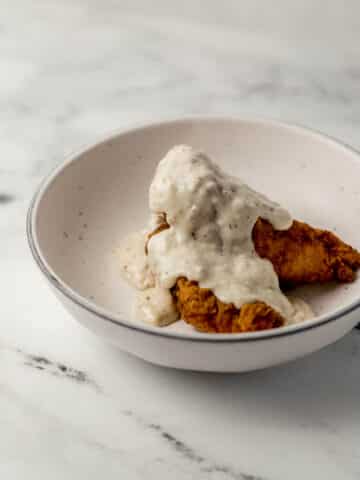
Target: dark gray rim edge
(66,291)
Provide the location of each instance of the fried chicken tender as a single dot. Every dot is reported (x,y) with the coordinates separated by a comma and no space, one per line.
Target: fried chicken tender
(303,254)
(204,311)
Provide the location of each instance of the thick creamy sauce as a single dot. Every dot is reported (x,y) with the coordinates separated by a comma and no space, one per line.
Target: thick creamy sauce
(155,306)
(134,263)
(211,216)
(153,303)
(301,310)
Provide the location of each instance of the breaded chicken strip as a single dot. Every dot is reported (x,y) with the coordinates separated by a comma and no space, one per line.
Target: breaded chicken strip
(303,254)
(203,310)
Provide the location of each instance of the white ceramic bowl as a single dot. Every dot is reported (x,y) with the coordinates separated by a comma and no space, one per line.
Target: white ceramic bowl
(84,208)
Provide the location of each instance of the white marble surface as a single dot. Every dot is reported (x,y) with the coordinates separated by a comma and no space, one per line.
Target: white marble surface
(73,407)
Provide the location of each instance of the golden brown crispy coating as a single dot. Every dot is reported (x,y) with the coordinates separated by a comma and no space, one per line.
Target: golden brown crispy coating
(303,254)
(202,309)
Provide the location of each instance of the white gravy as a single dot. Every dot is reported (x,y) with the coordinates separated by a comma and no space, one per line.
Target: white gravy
(153,303)
(211,216)
(134,265)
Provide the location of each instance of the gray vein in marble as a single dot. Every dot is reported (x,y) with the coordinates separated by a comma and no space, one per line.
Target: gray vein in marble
(6,198)
(181,448)
(57,369)
(189,453)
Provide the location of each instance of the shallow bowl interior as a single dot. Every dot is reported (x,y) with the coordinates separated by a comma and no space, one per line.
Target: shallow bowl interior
(88,205)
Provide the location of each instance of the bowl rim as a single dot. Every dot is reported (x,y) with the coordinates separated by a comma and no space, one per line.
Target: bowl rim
(61,286)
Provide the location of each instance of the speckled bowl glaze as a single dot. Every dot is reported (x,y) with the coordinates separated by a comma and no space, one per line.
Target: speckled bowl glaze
(87,205)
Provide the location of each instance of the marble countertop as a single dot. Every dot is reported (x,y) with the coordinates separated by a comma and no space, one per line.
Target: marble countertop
(74,407)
